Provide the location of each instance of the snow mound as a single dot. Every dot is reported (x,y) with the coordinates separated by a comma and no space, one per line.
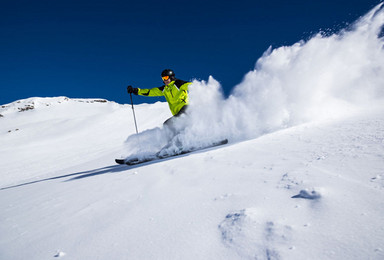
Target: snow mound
(310,195)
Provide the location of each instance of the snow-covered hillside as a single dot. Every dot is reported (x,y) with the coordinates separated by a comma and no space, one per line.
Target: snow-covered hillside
(302,176)
(70,130)
(313,191)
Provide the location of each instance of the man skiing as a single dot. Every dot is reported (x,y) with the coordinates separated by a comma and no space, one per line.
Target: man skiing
(175,92)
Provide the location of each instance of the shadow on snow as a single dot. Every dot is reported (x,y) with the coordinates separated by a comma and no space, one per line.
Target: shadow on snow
(104,170)
(79,175)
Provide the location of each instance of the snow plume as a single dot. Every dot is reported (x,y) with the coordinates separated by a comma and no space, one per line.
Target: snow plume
(325,77)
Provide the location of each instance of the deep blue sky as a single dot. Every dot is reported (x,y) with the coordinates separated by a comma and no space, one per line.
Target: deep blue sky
(94,49)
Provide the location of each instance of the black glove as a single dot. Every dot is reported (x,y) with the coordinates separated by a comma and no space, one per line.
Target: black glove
(130,90)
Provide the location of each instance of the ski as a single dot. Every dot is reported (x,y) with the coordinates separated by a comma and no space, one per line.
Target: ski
(120,161)
(136,161)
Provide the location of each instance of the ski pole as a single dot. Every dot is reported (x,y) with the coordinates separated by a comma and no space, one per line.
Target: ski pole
(134,116)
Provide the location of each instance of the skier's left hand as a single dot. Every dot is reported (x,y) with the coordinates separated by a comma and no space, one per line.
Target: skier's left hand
(130,90)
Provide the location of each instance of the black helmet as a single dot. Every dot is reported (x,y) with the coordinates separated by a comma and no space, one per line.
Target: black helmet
(168,72)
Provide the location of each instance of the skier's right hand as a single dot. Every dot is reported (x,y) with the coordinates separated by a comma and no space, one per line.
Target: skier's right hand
(133,90)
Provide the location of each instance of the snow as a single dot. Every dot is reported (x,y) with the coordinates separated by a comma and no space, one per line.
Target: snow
(301,178)
(233,202)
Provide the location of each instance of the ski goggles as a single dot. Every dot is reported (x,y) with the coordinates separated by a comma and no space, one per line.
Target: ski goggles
(165,78)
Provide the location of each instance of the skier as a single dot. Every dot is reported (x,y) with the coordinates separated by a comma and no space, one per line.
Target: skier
(175,92)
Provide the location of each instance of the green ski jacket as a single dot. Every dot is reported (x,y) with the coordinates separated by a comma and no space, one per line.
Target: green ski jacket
(176,94)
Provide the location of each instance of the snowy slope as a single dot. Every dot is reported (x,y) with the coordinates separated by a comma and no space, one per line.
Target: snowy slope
(301,178)
(70,129)
(229,203)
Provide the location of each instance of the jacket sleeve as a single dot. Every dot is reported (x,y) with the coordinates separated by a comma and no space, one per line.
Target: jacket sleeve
(182,85)
(153,92)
